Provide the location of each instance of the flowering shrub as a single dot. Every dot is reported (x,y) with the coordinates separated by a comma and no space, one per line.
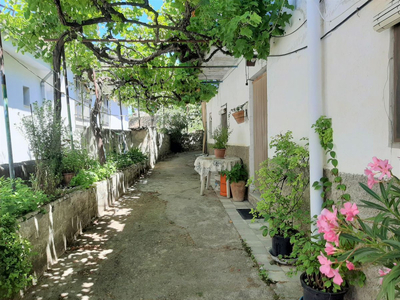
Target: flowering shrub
(351,240)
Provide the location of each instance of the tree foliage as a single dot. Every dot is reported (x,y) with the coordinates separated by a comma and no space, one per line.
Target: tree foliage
(231,26)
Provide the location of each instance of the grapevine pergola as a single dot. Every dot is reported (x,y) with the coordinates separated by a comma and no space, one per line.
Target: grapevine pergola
(109,41)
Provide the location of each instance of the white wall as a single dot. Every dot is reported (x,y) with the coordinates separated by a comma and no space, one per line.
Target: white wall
(24,70)
(355,85)
(233,92)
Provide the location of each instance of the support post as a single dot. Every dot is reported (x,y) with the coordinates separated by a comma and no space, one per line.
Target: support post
(315,102)
(124,146)
(6,115)
(138,109)
(67,97)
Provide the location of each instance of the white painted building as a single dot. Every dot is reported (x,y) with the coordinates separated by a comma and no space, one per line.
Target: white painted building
(30,80)
(358,85)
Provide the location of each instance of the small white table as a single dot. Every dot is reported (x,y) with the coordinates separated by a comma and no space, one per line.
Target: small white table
(205,165)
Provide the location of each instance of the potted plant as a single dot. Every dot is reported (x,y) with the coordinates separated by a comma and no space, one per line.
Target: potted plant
(237,178)
(72,162)
(326,259)
(282,181)
(220,136)
(238,113)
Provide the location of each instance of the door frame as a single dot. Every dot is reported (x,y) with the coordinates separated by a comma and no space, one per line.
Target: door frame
(251,117)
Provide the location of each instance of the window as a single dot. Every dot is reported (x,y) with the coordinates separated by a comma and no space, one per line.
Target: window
(27,100)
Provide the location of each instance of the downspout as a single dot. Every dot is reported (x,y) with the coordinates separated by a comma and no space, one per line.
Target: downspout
(42,89)
(315,102)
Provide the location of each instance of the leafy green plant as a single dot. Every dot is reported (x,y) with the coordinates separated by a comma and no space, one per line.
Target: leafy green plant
(221,137)
(15,266)
(124,160)
(238,173)
(20,201)
(282,181)
(74,160)
(309,248)
(85,179)
(42,133)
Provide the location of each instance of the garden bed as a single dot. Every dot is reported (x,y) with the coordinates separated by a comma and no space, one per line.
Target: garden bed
(66,217)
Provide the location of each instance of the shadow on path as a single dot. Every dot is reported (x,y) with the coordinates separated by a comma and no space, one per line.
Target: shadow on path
(161,240)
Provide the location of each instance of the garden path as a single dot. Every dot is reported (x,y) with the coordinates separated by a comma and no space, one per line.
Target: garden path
(161,240)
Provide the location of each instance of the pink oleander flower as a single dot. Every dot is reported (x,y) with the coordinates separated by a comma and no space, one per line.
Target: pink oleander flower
(325,267)
(327,220)
(379,168)
(337,278)
(331,236)
(371,178)
(329,249)
(382,273)
(350,211)
(349,265)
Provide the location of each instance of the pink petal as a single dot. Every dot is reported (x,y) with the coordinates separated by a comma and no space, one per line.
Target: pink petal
(349,265)
(337,278)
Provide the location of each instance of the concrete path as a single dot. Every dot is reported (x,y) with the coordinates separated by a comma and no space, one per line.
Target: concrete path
(162,240)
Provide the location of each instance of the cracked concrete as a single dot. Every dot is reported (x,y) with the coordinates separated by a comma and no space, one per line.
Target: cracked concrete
(162,240)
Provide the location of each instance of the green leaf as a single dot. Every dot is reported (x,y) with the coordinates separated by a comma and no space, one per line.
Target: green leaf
(371,192)
(246,31)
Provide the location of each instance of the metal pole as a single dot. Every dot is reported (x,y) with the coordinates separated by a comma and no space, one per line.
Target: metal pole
(120,110)
(138,109)
(6,115)
(67,97)
(122,122)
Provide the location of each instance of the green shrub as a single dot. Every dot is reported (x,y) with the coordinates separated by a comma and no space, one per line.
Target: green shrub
(124,160)
(21,201)
(15,266)
(44,134)
(74,160)
(84,178)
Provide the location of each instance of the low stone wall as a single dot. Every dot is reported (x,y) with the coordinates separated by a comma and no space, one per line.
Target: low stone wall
(151,142)
(66,217)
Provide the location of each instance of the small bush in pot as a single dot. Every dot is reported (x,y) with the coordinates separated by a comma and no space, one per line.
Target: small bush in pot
(237,178)
(282,181)
(221,137)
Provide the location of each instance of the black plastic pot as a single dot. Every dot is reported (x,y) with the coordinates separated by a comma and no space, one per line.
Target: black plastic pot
(311,294)
(281,246)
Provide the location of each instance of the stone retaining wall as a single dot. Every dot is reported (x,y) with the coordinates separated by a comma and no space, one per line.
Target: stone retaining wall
(51,232)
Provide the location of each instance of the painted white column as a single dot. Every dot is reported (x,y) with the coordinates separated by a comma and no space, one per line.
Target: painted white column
(315,101)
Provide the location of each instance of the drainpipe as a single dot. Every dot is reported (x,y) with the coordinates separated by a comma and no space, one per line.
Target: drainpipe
(315,102)
(42,89)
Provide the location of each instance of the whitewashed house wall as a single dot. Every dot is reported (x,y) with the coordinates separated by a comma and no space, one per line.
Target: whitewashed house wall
(23,70)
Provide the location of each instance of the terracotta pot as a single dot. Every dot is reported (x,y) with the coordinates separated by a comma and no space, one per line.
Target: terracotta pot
(219,153)
(68,177)
(238,190)
(239,116)
(222,190)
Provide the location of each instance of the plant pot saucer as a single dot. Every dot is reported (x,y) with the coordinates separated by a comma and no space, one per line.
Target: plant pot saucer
(282,261)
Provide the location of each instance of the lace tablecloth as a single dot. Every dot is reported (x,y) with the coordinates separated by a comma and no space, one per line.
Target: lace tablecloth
(205,164)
